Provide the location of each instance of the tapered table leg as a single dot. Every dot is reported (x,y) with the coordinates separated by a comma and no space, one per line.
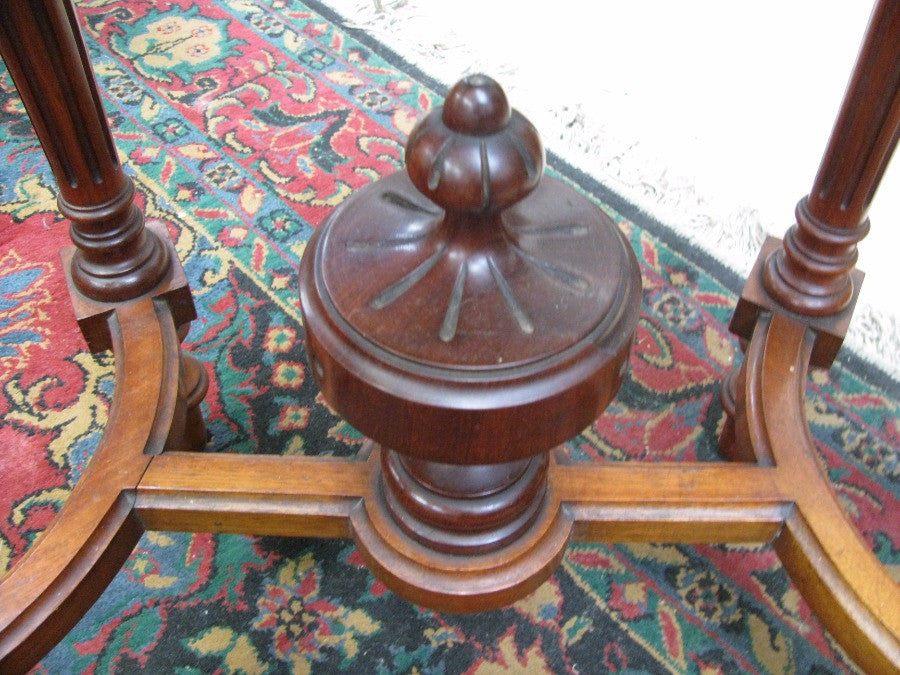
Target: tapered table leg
(811,273)
(115,257)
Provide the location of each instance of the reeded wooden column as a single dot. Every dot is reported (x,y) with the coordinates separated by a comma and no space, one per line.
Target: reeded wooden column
(811,275)
(812,272)
(116,258)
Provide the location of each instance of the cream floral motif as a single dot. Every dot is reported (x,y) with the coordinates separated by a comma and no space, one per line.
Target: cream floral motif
(175,40)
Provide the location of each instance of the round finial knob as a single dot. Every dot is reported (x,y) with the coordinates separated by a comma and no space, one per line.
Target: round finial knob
(476,106)
(475,153)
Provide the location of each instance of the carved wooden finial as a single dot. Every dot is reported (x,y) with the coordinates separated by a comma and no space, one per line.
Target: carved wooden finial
(471,297)
(475,154)
(476,106)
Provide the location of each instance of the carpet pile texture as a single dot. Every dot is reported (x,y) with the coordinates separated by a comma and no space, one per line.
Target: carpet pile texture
(243,124)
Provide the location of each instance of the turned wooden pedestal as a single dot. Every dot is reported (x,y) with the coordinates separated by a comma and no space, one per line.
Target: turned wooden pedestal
(468,318)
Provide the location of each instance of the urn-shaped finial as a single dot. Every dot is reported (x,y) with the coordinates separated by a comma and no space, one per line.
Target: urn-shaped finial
(475,153)
(455,311)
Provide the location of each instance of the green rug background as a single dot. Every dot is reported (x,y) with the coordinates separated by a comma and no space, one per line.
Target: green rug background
(243,123)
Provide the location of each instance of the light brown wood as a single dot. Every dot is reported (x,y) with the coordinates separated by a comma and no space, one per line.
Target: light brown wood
(263,494)
(47,591)
(672,502)
(820,548)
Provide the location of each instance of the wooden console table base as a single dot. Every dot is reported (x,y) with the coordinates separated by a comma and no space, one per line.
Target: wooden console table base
(130,295)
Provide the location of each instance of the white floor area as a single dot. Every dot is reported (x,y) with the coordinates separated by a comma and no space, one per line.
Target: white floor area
(710,116)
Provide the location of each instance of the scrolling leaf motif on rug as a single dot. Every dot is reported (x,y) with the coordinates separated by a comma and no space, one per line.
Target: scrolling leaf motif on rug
(244,122)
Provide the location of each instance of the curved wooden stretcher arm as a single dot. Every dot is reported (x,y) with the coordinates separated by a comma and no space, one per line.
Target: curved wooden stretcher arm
(125,491)
(832,566)
(790,503)
(47,591)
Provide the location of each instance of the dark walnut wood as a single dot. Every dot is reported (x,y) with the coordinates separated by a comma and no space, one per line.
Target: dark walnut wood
(469,315)
(481,330)
(116,258)
(812,273)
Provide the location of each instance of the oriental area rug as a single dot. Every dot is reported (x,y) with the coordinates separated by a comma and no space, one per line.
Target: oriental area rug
(244,123)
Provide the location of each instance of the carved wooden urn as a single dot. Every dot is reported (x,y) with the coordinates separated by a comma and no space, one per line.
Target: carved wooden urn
(467,316)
